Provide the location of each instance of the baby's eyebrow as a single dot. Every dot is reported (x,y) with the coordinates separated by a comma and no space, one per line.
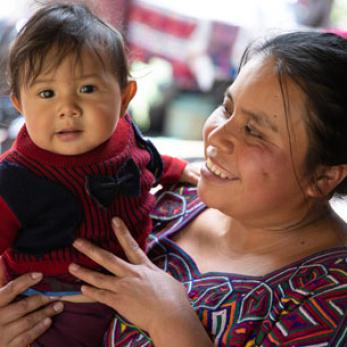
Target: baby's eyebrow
(43,80)
(259,117)
(91,75)
(39,83)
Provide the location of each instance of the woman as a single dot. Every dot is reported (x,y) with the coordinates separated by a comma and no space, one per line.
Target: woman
(264,264)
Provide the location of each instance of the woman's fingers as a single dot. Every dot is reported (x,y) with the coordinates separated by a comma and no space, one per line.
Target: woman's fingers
(102,257)
(31,321)
(31,335)
(23,307)
(100,295)
(21,322)
(130,247)
(109,261)
(93,278)
(101,288)
(12,289)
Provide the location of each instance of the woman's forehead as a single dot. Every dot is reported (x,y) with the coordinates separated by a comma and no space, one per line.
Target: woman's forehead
(260,87)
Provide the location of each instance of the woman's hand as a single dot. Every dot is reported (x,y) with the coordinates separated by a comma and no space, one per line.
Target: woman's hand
(148,297)
(23,321)
(139,290)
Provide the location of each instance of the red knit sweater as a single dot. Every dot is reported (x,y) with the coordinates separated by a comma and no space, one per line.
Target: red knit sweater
(39,191)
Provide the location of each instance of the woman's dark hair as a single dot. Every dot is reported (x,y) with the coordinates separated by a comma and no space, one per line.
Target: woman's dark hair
(317,63)
(64,28)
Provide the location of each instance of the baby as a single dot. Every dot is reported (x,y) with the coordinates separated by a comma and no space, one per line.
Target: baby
(78,161)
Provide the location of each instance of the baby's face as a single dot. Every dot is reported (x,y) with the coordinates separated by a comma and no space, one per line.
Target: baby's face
(72,108)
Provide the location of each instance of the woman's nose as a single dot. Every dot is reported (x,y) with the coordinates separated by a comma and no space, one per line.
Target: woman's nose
(222,137)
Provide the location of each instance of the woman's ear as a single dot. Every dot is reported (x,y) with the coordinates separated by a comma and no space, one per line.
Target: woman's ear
(326,179)
(16,103)
(127,94)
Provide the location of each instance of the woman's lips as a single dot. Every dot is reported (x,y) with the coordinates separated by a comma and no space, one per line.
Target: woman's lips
(214,172)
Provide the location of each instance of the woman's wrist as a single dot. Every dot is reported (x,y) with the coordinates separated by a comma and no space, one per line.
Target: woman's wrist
(180,326)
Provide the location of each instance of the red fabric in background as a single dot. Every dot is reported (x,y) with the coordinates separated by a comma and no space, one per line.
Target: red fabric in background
(158,29)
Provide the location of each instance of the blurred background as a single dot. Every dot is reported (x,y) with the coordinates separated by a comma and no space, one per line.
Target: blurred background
(183,55)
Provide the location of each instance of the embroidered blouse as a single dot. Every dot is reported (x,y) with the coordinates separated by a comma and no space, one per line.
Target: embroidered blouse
(302,304)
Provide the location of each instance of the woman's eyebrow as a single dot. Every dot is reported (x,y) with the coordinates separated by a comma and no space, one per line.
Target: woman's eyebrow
(259,117)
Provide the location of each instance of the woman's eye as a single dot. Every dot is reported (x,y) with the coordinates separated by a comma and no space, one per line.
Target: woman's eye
(87,89)
(252,131)
(227,111)
(45,94)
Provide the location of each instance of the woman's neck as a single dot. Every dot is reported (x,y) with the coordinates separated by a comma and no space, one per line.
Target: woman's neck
(219,243)
(320,229)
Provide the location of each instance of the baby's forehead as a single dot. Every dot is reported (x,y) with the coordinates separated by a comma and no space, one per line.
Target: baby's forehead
(78,61)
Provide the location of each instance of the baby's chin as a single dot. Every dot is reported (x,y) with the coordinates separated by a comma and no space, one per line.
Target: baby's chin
(68,150)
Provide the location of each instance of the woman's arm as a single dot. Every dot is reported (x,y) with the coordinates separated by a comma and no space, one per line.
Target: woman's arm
(23,321)
(144,294)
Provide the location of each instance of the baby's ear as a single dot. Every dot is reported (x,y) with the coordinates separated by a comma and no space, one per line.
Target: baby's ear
(326,179)
(127,94)
(16,103)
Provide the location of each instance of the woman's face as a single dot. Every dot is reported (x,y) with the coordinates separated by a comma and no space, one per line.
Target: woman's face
(254,152)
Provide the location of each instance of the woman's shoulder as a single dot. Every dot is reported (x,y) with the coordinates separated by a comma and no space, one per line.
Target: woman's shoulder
(175,207)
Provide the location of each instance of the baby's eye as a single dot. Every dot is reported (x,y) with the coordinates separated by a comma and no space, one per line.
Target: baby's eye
(46,94)
(252,131)
(87,89)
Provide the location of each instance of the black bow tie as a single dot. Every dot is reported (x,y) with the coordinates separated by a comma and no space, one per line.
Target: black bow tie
(126,182)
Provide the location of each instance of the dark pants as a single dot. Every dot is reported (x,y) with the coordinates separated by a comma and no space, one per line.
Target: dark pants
(80,324)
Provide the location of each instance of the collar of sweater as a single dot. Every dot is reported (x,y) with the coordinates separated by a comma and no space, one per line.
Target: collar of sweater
(119,145)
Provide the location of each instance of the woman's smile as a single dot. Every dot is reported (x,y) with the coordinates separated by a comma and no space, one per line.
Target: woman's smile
(215,173)
(217,170)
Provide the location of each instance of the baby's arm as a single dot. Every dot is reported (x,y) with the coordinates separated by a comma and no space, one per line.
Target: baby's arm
(178,170)
(9,225)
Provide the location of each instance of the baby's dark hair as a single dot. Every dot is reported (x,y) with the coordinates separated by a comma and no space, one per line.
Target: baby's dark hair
(64,28)
(317,63)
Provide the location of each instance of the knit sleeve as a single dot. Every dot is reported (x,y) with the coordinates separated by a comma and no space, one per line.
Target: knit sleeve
(172,169)
(9,225)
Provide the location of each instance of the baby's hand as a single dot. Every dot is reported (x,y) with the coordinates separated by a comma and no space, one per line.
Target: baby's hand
(191,173)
